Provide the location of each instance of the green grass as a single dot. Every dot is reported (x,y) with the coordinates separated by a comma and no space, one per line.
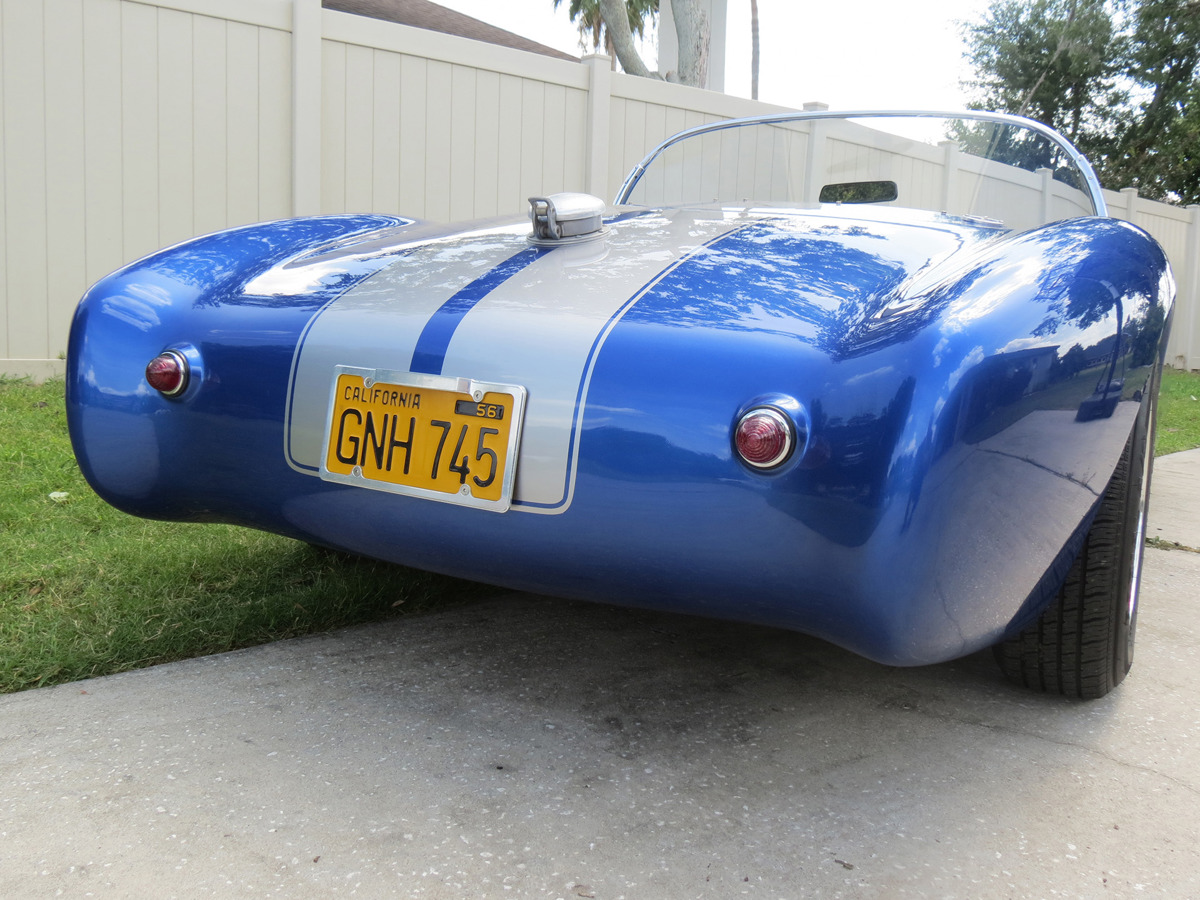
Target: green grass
(1178,412)
(86,590)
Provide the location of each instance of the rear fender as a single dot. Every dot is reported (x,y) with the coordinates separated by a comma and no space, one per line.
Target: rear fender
(195,297)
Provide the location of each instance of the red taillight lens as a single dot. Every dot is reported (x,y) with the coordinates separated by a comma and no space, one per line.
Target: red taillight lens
(764,437)
(167,373)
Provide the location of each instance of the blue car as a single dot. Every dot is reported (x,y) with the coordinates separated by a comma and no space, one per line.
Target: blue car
(884,378)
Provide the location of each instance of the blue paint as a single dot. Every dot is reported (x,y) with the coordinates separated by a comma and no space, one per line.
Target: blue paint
(873,537)
(429,354)
(644,291)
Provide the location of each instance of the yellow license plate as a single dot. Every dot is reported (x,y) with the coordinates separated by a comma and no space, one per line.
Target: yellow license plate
(432,436)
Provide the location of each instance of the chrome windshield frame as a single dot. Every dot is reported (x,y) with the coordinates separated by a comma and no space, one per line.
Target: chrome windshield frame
(1095,191)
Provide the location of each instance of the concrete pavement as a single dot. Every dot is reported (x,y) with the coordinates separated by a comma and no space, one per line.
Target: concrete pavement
(530,747)
(1175,499)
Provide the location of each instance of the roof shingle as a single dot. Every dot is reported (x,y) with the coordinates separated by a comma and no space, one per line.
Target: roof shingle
(431,17)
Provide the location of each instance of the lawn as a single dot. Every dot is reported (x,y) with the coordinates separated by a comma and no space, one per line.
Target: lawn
(1178,412)
(86,590)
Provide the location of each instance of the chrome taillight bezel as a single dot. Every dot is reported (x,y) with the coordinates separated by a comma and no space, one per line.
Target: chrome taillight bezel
(783,426)
(182,366)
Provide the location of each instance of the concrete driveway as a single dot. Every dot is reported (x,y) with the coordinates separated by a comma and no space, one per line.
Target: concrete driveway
(530,747)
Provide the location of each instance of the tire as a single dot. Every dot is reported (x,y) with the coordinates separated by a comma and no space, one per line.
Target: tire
(1082,644)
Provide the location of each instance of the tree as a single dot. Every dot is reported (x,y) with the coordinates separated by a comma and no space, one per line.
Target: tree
(621,19)
(615,14)
(1155,149)
(586,15)
(1120,78)
(1051,60)
(692,32)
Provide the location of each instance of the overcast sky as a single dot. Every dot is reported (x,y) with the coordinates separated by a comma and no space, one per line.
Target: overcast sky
(852,54)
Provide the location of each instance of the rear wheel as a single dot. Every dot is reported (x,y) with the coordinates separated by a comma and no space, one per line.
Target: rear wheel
(1082,645)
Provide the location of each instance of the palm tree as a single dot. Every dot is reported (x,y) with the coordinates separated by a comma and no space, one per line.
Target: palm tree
(586,13)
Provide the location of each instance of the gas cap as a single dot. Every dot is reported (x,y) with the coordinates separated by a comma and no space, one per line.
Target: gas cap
(565,218)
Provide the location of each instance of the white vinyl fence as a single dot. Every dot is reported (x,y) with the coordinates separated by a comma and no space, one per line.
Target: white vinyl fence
(793,162)
(128,125)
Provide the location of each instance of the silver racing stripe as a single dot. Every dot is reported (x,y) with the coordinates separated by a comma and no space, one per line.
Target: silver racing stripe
(377,325)
(541,328)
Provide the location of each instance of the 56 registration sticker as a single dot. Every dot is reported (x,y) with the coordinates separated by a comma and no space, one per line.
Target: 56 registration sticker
(432,436)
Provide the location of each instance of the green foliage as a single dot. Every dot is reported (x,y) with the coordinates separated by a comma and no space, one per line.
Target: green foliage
(1051,60)
(1120,78)
(1155,147)
(1178,412)
(86,590)
(586,15)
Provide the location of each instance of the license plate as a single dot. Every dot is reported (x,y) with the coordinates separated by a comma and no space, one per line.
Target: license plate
(431,436)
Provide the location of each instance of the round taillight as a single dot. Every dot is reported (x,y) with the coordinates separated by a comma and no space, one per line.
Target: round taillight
(764,437)
(167,373)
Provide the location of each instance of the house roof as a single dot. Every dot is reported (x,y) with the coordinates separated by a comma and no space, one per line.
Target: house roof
(428,15)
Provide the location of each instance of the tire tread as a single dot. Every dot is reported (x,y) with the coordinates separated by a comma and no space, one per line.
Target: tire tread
(1072,647)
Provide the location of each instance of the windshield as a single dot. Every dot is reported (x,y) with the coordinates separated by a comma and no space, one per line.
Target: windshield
(1011,171)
